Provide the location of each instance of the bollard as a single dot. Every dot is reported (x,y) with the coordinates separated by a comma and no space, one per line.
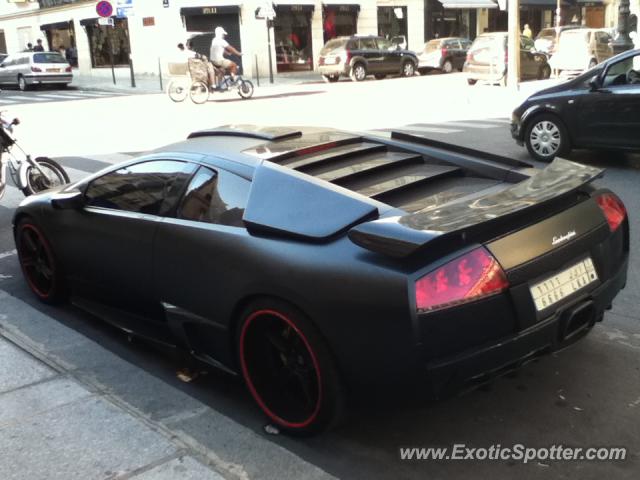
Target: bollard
(160,74)
(257,71)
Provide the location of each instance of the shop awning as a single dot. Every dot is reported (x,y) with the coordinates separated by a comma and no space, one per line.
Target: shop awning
(541,3)
(294,8)
(590,3)
(190,11)
(469,4)
(56,26)
(343,7)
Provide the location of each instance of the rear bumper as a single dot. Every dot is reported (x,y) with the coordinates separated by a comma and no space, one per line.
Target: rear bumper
(485,72)
(565,326)
(331,70)
(42,79)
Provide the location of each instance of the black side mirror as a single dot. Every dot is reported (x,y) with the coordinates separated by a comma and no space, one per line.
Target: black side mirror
(594,84)
(71,200)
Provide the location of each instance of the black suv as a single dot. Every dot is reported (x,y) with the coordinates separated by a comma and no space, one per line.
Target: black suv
(359,56)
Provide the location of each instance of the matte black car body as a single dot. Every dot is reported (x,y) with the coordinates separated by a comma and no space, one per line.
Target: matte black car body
(358,56)
(598,109)
(334,231)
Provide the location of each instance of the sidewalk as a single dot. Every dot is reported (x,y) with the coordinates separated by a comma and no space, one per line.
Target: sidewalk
(151,83)
(71,409)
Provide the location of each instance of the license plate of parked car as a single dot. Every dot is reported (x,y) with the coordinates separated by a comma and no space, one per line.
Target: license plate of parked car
(53,69)
(556,288)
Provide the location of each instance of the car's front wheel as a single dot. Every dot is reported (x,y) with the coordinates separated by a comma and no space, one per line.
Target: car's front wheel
(546,137)
(288,368)
(22,83)
(447,66)
(38,263)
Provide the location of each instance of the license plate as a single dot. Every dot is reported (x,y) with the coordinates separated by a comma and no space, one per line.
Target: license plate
(53,69)
(554,289)
(329,60)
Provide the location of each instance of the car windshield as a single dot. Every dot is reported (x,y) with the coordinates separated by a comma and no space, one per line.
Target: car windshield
(49,57)
(573,39)
(432,46)
(334,44)
(491,42)
(547,33)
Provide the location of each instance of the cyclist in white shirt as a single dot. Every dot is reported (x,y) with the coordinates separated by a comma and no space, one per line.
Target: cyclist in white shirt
(219,46)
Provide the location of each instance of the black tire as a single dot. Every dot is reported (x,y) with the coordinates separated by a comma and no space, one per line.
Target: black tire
(288,368)
(22,83)
(358,72)
(544,72)
(472,81)
(380,76)
(54,176)
(38,263)
(546,137)
(245,89)
(447,66)
(408,69)
(331,78)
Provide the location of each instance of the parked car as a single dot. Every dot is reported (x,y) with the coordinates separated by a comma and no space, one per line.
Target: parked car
(581,49)
(487,59)
(545,41)
(598,109)
(359,56)
(316,263)
(27,69)
(446,54)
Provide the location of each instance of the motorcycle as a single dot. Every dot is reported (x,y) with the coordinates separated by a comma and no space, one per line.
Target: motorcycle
(28,174)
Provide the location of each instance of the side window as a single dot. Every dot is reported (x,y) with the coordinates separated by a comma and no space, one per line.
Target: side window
(384,44)
(144,187)
(215,197)
(623,72)
(368,44)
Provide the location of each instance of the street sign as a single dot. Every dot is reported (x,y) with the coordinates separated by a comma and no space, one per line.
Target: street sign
(106,21)
(266,10)
(165,3)
(104,9)
(124,8)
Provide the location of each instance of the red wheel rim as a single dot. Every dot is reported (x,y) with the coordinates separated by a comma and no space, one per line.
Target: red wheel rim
(36,261)
(269,387)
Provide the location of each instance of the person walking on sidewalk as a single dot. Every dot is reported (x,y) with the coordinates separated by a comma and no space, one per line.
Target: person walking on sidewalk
(38,47)
(219,46)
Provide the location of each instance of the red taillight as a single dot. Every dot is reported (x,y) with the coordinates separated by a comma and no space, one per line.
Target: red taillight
(469,57)
(68,69)
(444,52)
(506,57)
(321,61)
(613,209)
(36,69)
(469,277)
(348,59)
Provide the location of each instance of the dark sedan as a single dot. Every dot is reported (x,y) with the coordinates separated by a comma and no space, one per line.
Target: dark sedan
(598,109)
(317,263)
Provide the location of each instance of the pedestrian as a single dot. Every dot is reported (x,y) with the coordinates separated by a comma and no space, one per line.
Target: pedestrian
(29,47)
(38,47)
(526,31)
(62,50)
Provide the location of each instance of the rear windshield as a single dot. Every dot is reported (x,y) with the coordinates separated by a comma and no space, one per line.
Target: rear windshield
(49,57)
(574,38)
(432,46)
(333,45)
(547,33)
(491,42)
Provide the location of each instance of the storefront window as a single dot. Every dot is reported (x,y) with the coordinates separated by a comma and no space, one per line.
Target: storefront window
(451,22)
(339,20)
(292,32)
(392,24)
(104,39)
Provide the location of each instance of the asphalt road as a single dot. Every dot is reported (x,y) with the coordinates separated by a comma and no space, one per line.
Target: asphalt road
(13,96)
(586,395)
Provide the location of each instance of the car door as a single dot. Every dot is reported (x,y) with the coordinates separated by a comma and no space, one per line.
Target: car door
(107,245)
(374,57)
(4,69)
(610,113)
(199,253)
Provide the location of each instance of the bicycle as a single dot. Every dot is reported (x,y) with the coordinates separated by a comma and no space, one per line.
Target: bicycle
(200,91)
(28,174)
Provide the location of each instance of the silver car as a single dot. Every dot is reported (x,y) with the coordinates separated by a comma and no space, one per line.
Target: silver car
(35,68)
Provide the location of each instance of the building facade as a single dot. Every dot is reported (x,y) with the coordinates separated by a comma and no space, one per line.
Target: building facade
(146,32)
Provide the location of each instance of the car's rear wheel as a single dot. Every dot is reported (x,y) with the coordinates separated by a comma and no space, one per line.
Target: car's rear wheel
(408,69)
(38,263)
(22,83)
(472,81)
(358,72)
(288,368)
(447,66)
(546,137)
(331,78)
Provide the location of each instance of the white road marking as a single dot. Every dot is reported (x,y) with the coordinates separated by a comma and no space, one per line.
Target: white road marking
(10,253)
(429,129)
(71,96)
(19,97)
(469,124)
(6,100)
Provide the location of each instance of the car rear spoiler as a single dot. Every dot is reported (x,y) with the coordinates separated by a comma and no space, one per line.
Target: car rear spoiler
(400,236)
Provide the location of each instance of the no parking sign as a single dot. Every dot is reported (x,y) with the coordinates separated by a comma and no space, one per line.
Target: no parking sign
(104,9)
